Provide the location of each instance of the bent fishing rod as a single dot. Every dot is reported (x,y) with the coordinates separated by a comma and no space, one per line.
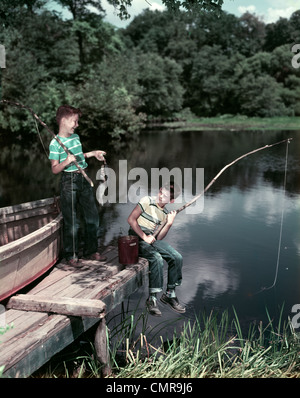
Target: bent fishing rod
(160,227)
(54,136)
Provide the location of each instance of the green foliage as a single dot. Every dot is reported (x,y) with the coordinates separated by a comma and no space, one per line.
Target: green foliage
(210,62)
(174,6)
(215,347)
(217,55)
(108,98)
(80,8)
(261,96)
(212,84)
(159,79)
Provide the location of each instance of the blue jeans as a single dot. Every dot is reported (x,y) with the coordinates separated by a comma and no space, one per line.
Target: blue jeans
(156,254)
(74,185)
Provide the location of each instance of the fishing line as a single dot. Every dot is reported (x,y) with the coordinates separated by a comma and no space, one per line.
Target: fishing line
(40,137)
(281,223)
(73,217)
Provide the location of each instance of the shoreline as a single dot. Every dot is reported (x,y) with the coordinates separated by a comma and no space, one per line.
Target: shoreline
(236,123)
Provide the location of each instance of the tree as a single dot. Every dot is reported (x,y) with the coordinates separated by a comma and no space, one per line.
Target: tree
(192,6)
(159,78)
(80,12)
(12,11)
(80,8)
(252,34)
(277,34)
(109,99)
(295,26)
(261,96)
(257,92)
(212,87)
(282,70)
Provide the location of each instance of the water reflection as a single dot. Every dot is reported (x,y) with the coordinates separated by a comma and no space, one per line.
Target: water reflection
(230,247)
(214,276)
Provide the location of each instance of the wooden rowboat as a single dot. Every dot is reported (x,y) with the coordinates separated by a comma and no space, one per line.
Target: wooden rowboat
(30,243)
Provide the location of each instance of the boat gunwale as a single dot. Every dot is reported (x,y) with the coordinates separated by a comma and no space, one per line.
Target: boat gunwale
(49,232)
(27,241)
(4,211)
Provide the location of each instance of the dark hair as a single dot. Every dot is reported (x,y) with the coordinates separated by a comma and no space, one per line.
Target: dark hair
(173,188)
(66,111)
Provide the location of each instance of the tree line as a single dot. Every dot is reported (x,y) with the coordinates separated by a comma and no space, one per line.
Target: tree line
(161,65)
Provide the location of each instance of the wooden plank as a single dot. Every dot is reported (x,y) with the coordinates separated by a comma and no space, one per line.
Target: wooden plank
(64,275)
(38,347)
(52,202)
(103,288)
(55,275)
(31,347)
(21,322)
(122,285)
(58,305)
(74,281)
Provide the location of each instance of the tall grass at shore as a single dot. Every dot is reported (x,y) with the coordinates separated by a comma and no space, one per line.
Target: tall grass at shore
(211,346)
(215,347)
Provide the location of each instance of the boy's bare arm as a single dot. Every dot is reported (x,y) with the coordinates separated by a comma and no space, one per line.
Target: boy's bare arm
(132,220)
(170,219)
(97,154)
(57,167)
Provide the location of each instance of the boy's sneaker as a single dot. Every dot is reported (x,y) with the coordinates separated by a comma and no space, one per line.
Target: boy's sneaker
(95,256)
(173,303)
(152,307)
(73,262)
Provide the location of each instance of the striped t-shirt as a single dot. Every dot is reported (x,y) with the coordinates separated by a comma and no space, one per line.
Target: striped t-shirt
(74,146)
(152,214)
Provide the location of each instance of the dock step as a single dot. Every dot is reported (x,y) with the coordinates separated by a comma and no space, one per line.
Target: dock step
(58,305)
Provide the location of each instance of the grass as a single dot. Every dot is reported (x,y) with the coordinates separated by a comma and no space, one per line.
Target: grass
(4,329)
(212,346)
(235,123)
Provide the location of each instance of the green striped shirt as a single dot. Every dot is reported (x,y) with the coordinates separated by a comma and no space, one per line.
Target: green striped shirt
(152,214)
(74,146)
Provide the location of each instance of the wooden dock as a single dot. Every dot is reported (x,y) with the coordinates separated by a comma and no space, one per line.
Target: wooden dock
(66,303)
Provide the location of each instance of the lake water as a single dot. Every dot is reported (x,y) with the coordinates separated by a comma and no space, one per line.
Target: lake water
(230,244)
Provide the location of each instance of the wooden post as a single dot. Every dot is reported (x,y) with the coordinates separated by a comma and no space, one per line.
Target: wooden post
(102,349)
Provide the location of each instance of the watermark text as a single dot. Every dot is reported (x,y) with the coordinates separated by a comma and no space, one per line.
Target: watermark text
(296,58)
(2,57)
(296,317)
(132,185)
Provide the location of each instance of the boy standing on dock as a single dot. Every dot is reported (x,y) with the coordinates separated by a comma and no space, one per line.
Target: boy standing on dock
(75,190)
(143,220)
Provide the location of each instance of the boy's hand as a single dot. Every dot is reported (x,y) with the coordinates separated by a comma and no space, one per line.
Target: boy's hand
(171,217)
(149,239)
(70,159)
(99,155)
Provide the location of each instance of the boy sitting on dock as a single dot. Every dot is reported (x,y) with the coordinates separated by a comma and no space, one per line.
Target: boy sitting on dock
(75,189)
(143,220)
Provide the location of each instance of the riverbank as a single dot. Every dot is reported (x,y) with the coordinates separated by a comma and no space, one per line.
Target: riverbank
(229,122)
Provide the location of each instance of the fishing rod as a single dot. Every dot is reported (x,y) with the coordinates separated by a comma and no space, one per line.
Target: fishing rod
(160,227)
(54,136)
